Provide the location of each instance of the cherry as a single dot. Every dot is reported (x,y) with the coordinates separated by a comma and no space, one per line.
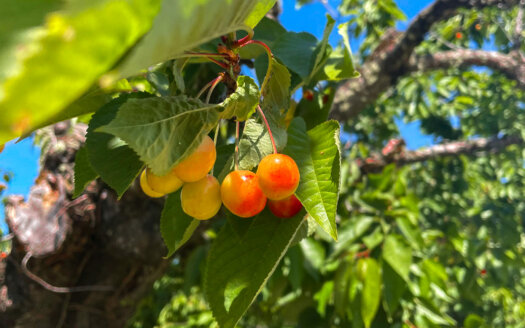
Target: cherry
(199,163)
(278,176)
(146,188)
(285,208)
(459,35)
(2,148)
(308,95)
(241,194)
(163,184)
(201,199)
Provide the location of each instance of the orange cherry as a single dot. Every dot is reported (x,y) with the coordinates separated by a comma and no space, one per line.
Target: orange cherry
(199,163)
(163,184)
(2,148)
(146,188)
(278,176)
(201,199)
(241,194)
(285,208)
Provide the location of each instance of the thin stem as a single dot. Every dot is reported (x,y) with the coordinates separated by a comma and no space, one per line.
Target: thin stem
(209,84)
(267,127)
(215,137)
(270,56)
(212,87)
(223,65)
(242,41)
(237,145)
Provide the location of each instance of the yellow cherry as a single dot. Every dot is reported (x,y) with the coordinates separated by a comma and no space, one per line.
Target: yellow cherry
(201,199)
(199,163)
(146,188)
(164,184)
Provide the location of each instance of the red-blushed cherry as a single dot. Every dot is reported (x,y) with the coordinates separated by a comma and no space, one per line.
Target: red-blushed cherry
(278,176)
(197,165)
(285,208)
(146,188)
(201,199)
(241,194)
(163,184)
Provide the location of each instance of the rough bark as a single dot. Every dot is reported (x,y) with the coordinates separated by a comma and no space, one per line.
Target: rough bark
(451,149)
(106,252)
(383,70)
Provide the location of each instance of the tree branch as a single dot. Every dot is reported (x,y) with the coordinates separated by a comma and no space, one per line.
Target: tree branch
(511,66)
(451,149)
(382,71)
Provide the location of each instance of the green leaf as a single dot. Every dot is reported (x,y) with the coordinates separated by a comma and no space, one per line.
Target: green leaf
(371,292)
(317,155)
(163,131)
(323,297)
(277,90)
(267,31)
(176,227)
(296,51)
(350,231)
(398,255)
(116,163)
(321,52)
(314,252)
(53,51)
(316,111)
(339,64)
(238,268)
(183,25)
(84,173)
(243,102)
(393,288)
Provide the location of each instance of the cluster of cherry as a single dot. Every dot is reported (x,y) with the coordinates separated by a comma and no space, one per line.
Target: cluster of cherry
(243,192)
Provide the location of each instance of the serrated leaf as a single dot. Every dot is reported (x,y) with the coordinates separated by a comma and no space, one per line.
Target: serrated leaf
(116,163)
(371,292)
(176,227)
(84,172)
(243,102)
(238,268)
(398,255)
(53,51)
(163,131)
(184,25)
(317,155)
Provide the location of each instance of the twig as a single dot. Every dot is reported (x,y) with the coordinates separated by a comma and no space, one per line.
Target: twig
(59,290)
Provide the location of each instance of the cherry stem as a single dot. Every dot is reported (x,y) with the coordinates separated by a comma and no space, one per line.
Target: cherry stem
(270,56)
(237,145)
(209,84)
(259,109)
(239,43)
(215,137)
(212,87)
(223,65)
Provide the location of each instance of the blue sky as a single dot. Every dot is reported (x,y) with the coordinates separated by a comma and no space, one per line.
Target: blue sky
(21,159)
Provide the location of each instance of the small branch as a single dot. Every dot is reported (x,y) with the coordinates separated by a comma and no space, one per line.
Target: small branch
(451,149)
(511,66)
(270,56)
(382,71)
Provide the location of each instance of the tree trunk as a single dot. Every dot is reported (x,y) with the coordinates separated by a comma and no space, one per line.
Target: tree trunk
(110,252)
